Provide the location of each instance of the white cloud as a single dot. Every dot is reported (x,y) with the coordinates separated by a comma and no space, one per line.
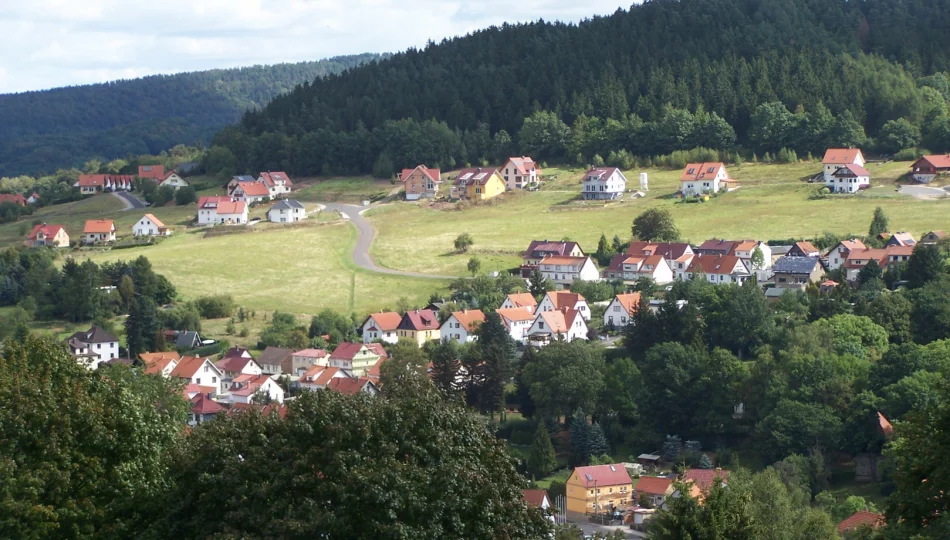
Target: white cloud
(53,43)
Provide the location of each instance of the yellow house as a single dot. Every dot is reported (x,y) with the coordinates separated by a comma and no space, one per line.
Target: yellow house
(419,325)
(478,184)
(598,489)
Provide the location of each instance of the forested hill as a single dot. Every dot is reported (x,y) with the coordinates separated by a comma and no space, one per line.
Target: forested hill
(62,127)
(847,64)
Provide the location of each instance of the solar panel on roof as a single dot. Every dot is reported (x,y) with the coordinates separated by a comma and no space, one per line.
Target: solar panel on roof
(481,176)
(589,477)
(466,176)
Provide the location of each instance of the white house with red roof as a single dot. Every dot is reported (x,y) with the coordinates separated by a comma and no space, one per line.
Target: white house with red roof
(150,225)
(703,178)
(352,386)
(243,388)
(541,249)
(300,361)
(461,325)
(519,172)
(173,181)
(603,183)
(620,310)
(152,172)
(718,269)
(204,409)
(517,321)
(849,178)
(556,300)
(160,363)
(90,184)
(47,236)
(520,300)
(213,210)
(235,366)
(276,182)
(839,254)
(565,324)
(99,230)
(356,358)
(201,372)
(835,158)
(421,182)
(678,255)
(250,192)
(381,326)
(563,271)
(318,377)
(926,168)
(631,269)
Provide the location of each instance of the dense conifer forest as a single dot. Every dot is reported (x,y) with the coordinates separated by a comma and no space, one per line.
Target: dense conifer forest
(63,127)
(666,75)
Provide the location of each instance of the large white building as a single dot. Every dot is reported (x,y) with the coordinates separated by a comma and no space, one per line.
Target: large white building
(382,326)
(221,211)
(563,271)
(604,183)
(835,158)
(93,347)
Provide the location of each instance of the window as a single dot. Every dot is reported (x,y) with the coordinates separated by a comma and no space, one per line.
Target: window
(198,380)
(214,379)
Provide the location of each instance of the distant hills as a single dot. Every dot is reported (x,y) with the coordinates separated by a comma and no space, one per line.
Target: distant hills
(63,127)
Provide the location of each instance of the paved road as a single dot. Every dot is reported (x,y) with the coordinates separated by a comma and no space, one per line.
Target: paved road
(131,201)
(366,235)
(923,192)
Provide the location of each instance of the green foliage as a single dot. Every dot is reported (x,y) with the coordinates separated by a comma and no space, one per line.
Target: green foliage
(283,332)
(538,284)
(185,195)
(215,307)
(463,242)
(896,135)
(383,167)
(655,225)
(565,377)
(879,223)
(474,265)
(926,264)
(541,460)
(794,427)
(328,322)
(446,363)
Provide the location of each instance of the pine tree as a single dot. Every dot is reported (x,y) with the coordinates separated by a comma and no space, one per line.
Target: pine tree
(672,448)
(445,367)
(879,223)
(603,254)
(497,351)
(597,444)
(704,462)
(522,392)
(539,284)
(541,460)
(578,430)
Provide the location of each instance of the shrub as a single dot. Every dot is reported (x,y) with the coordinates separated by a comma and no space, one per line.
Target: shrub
(215,307)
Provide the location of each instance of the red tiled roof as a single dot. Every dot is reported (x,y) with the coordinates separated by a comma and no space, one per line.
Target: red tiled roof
(544,246)
(701,171)
(515,314)
(235,207)
(433,174)
(852,170)
(561,320)
(99,226)
(807,247)
(564,299)
(48,230)
(325,376)
(419,319)
(597,174)
(385,321)
(205,405)
(232,363)
(858,519)
(522,165)
(253,189)
(346,385)
(573,262)
(311,353)
(188,366)
(653,485)
(271,178)
(714,264)
(704,478)
(885,426)
(522,300)
(155,172)
(158,223)
(725,247)
(629,301)
(534,497)
(669,250)
(469,318)
(840,156)
(212,201)
(937,161)
(852,245)
(155,363)
(15,198)
(249,384)
(348,350)
(603,475)
(374,372)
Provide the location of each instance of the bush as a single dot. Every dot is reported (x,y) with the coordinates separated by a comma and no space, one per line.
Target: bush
(215,307)
(185,195)
(910,154)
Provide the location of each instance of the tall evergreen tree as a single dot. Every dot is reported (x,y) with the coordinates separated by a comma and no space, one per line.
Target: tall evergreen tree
(926,264)
(597,444)
(522,389)
(579,430)
(446,364)
(497,352)
(538,284)
(879,223)
(541,460)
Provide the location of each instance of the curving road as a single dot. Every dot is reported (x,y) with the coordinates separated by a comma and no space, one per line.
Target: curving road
(131,201)
(365,236)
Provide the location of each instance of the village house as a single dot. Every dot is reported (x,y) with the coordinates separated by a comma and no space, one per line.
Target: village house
(214,210)
(244,387)
(537,498)
(419,325)
(14,198)
(563,271)
(461,325)
(803,249)
(932,237)
(286,211)
(276,182)
(204,409)
(620,310)
(356,358)
(173,181)
(272,358)
(235,180)
(653,490)
(318,377)
(352,386)
(382,326)
(150,225)
(565,324)
(703,178)
(201,372)
(603,183)
(47,236)
(520,300)
(152,172)
(631,269)
(926,168)
(839,254)
(421,182)
(718,269)
(250,192)
(700,481)
(797,272)
(884,258)
(160,363)
(90,184)
(33,199)
(99,231)
(300,361)
(555,300)
(849,179)
(538,250)
(597,489)
(744,249)
(517,321)
(859,520)
(93,347)
(232,367)
(477,184)
(900,239)
(678,255)
(519,172)
(836,158)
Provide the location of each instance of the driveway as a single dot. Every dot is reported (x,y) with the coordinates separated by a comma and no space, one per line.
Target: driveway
(131,201)
(364,241)
(923,192)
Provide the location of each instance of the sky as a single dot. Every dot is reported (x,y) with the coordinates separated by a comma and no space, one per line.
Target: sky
(52,43)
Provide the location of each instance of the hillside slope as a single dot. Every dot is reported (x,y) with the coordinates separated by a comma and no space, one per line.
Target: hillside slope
(45,130)
(855,61)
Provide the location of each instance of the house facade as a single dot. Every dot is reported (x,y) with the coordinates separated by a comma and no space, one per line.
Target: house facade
(797,272)
(597,489)
(555,300)
(803,249)
(461,325)
(849,179)
(421,182)
(286,211)
(603,183)
(93,347)
(836,158)
(519,172)
(300,361)
(356,358)
(173,181)
(221,211)
(477,184)
(90,184)
(839,254)
(250,192)
(925,169)
(562,271)
(520,300)
(631,269)
(244,387)
(419,325)
(200,372)
(718,269)
(272,359)
(932,237)
(859,258)
(47,236)
(517,321)
(621,309)
(160,363)
(678,255)
(538,250)
(703,178)
(382,326)
(653,490)
(149,225)
(99,231)
(277,183)
(565,324)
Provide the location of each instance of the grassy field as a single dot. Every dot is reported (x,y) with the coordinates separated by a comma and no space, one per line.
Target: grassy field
(343,190)
(297,269)
(773,201)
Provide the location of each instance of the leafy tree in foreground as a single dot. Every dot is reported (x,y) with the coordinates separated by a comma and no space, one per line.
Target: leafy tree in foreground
(427,469)
(655,225)
(83,453)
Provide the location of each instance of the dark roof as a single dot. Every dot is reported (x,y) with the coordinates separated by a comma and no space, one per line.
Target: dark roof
(94,335)
(287,204)
(539,247)
(273,356)
(795,265)
(420,319)
(187,340)
(244,178)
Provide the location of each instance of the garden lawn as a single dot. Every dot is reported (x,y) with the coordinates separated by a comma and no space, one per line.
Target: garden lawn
(343,190)
(295,269)
(773,202)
